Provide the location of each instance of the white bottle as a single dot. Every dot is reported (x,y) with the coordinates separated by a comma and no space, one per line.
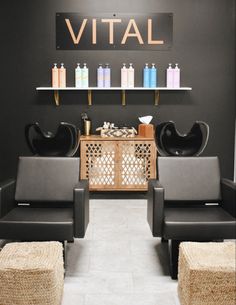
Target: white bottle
(170,77)
(131,76)
(85,76)
(176,77)
(124,76)
(62,76)
(78,76)
(55,77)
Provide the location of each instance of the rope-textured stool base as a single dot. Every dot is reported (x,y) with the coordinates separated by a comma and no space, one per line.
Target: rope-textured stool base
(207,273)
(31,273)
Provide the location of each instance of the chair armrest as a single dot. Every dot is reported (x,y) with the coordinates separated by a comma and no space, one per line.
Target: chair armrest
(155,207)
(81,208)
(7,196)
(228,190)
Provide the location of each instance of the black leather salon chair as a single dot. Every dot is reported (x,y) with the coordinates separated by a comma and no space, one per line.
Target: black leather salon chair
(47,202)
(170,142)
(63,143)
(190,202)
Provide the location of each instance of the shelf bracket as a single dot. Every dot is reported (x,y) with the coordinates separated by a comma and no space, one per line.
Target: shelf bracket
(156,97)
(123,98)
(90,97)
(56,97)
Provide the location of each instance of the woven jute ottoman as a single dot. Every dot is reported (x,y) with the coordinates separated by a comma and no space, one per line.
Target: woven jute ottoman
(207,273)
(31,273)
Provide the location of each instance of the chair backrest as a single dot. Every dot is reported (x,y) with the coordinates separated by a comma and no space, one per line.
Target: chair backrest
(190,178)
(46,179)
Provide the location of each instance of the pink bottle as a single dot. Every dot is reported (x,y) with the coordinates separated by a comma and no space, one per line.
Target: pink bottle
(169,77)
(62,76)
(55,76)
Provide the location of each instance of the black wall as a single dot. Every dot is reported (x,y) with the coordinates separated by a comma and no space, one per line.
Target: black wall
(203,45)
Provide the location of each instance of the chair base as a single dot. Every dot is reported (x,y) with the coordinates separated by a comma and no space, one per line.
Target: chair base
(64,244)
(174,256)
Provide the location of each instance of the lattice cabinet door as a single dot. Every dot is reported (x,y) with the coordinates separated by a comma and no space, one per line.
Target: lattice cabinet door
(137,164)
(99,164)
(118,164)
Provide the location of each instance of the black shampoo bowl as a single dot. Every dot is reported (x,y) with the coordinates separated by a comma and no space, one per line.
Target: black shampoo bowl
(64,143)
(170,142)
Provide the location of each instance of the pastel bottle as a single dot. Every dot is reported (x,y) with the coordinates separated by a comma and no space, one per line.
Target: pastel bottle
(107,76)
(55,76)
(78,76)
(62,76)
(130,76)
(85,76)
(176,76)
(170,77)
(153,76)
(100,80)
(146,76)
(124,76)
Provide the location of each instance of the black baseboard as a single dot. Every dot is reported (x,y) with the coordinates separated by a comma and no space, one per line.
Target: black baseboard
(118,195)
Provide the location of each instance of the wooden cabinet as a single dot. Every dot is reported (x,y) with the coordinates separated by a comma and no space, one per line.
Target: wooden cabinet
(117,164)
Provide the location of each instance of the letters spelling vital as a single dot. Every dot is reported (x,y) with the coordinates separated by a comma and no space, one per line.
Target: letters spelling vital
(132,30)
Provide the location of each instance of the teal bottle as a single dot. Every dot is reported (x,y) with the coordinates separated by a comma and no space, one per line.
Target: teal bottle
(146,76)
(153,77)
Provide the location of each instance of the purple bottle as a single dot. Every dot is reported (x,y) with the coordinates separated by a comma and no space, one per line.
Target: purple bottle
(176,71)
(107,76)
(100,77)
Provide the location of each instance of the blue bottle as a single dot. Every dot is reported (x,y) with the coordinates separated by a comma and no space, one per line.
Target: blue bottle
(146,76)
(107,76)
(153,77)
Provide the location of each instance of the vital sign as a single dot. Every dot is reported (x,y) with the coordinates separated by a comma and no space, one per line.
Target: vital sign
(118,31)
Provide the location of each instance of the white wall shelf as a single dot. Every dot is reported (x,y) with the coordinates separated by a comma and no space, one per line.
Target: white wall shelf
(156,91)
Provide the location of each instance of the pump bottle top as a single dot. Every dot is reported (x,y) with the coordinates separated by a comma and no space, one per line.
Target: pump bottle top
(62,65)
(153,65)
(170,66)
(55,65)
(176,66)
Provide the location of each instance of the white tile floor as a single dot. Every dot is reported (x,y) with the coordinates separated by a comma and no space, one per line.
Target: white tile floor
(118,262)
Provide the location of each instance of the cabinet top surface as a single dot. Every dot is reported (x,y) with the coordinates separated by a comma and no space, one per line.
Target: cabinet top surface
(99,138)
